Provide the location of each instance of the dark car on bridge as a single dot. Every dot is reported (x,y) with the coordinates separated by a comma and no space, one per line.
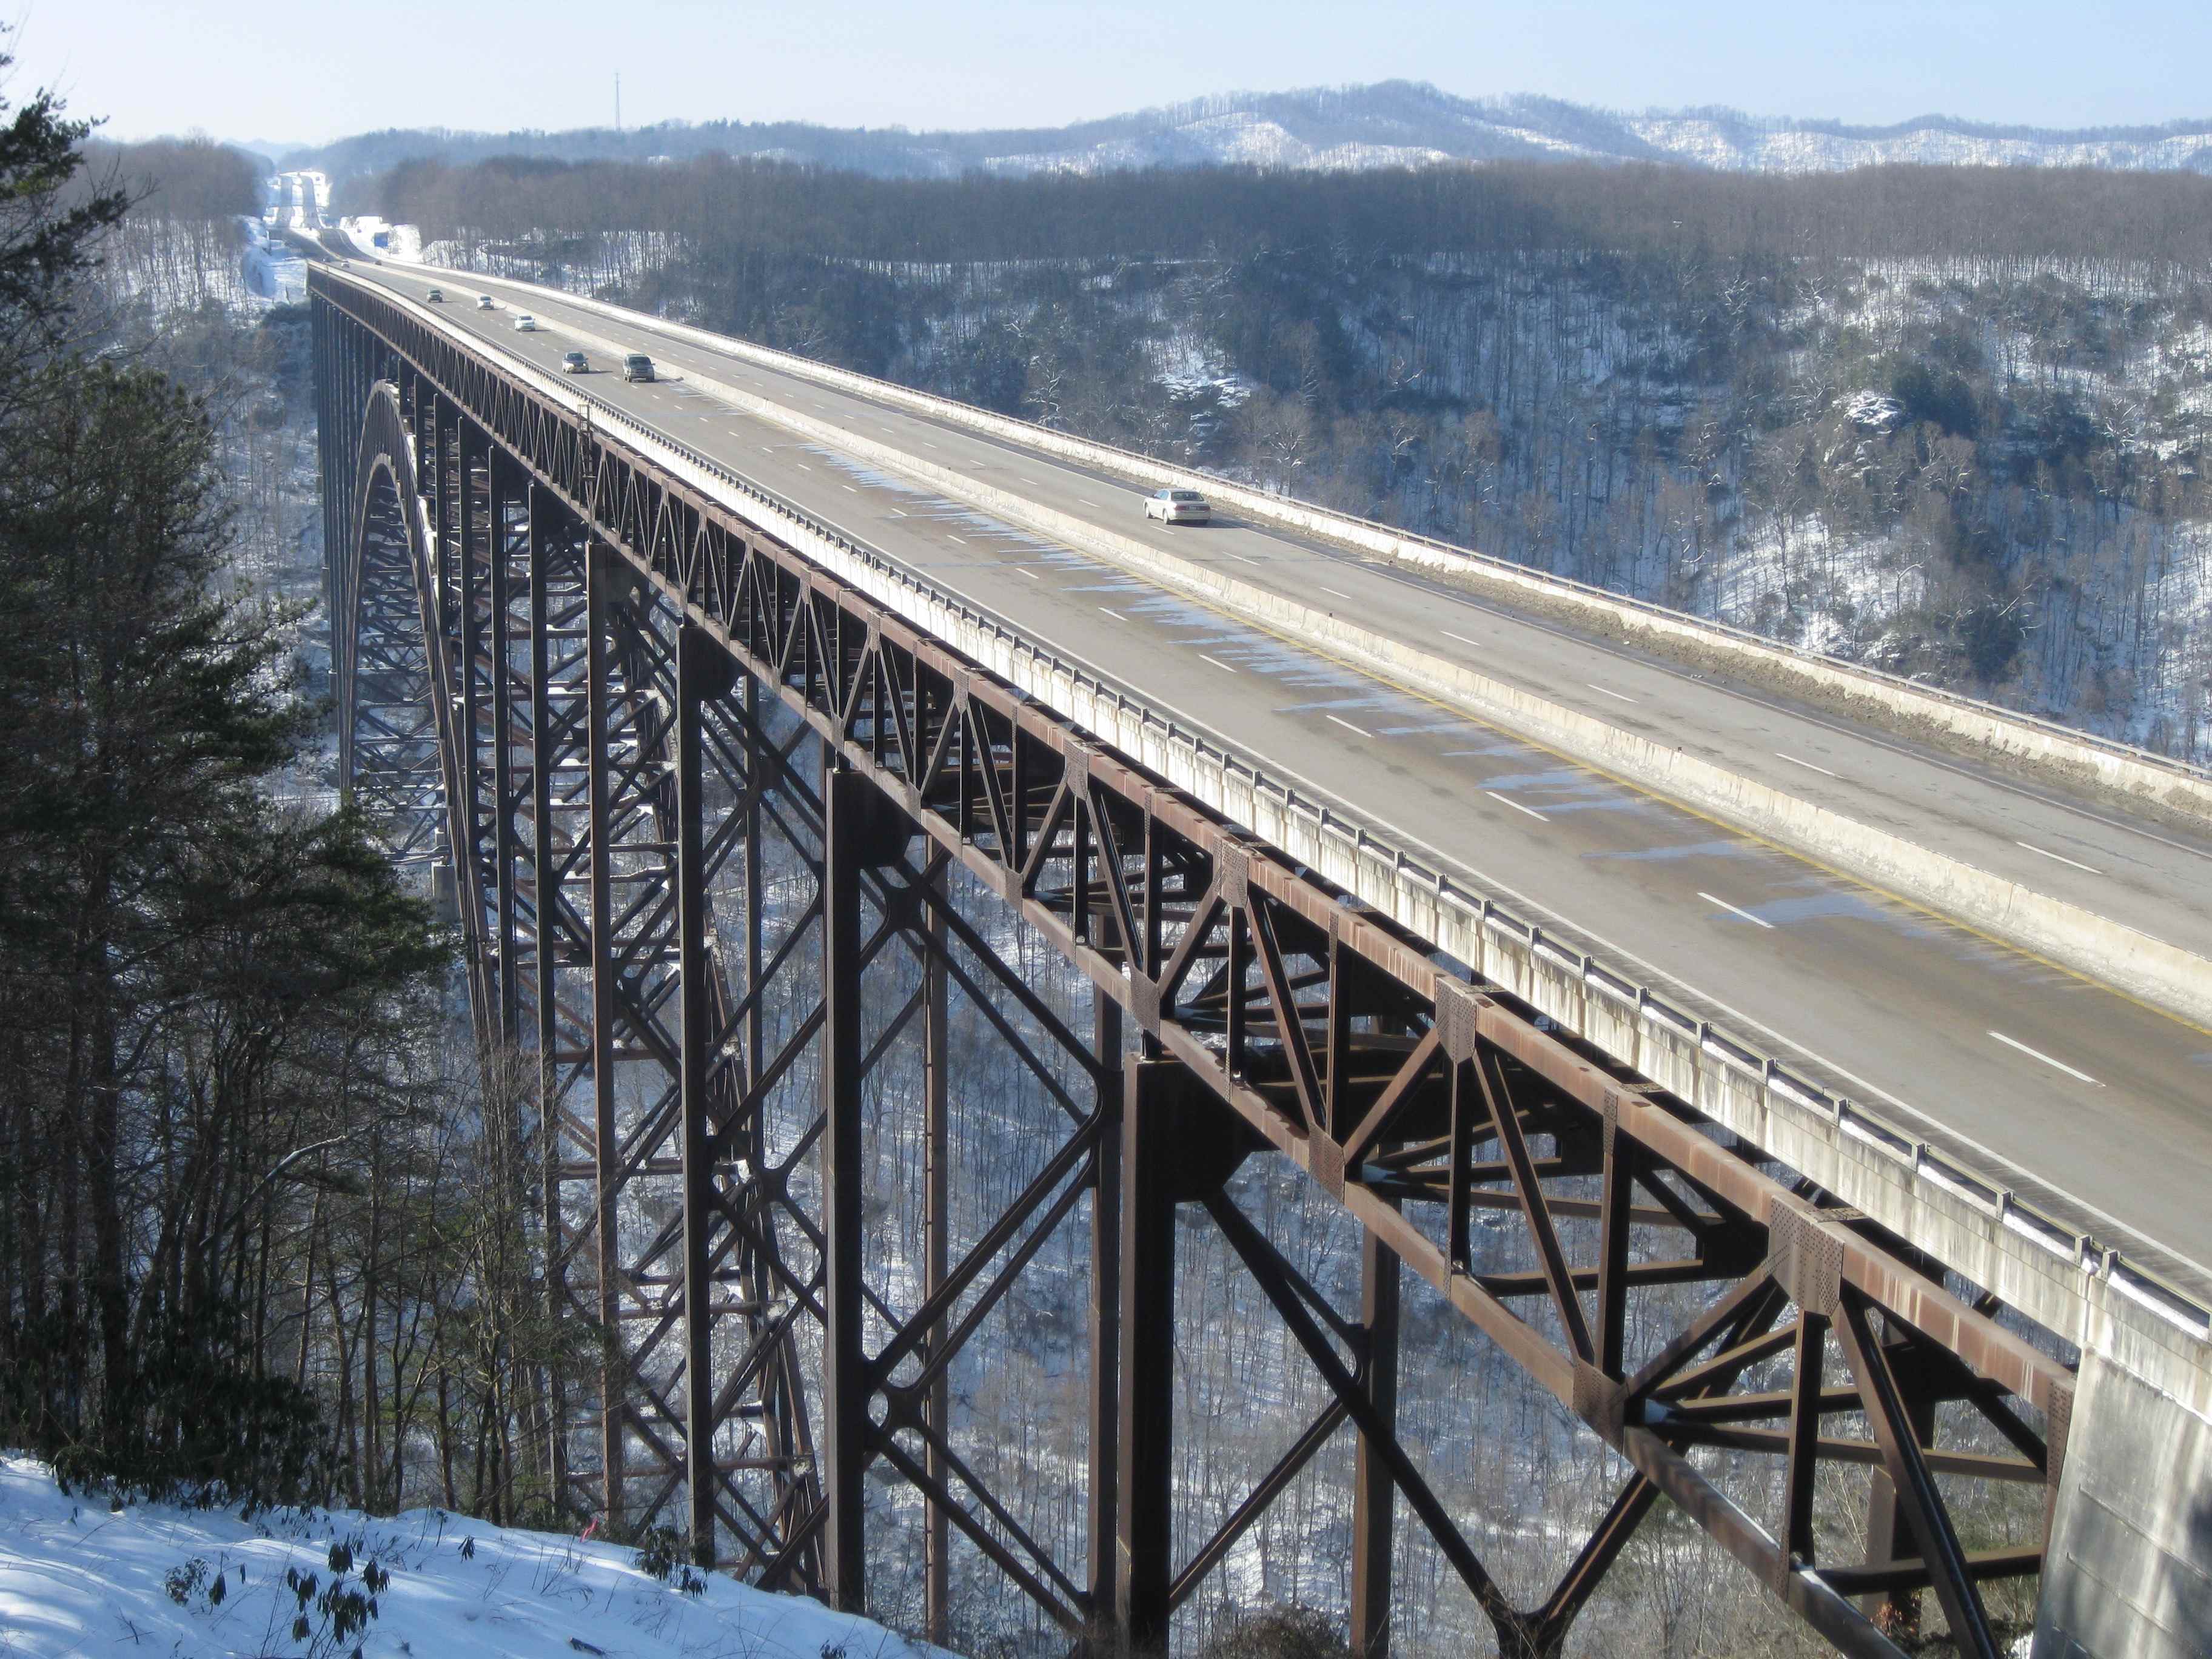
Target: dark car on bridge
(637,367)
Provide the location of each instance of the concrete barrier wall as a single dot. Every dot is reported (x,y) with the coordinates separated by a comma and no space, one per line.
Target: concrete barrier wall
(1956,1201)
(2128,1573)
(2144,966)
(2064,755)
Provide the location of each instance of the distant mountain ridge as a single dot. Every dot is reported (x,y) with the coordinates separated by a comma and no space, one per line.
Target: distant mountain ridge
(1390,123)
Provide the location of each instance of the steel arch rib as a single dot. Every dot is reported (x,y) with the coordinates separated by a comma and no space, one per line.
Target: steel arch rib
(374,629)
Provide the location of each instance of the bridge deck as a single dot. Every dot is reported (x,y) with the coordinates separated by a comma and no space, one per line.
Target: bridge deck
(2094,1093)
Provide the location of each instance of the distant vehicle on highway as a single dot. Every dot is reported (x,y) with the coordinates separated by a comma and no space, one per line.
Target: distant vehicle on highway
(637,367)
(436,297)
(1178,506)
(575,363)
(525,323)
(485,303)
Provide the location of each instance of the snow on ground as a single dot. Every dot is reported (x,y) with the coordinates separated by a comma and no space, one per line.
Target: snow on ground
(390,240)
(271,270)
(76,1580)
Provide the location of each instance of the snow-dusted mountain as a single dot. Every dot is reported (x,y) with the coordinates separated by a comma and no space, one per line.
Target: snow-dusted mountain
(1399,122)
(1395,123)
(1732,142)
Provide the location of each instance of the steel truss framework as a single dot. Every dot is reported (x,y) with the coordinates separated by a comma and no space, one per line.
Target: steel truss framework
(600,780)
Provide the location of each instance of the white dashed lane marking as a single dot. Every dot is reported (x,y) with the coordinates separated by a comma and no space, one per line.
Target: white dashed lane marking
(1758,921)
(2059,857)
(2037,1053)
(1621,696)
(1217,662)
(1349,726)
(1807,764)
(1507,800)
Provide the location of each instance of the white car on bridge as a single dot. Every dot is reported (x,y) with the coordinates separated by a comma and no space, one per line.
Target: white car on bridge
(525,323)
(1178,506)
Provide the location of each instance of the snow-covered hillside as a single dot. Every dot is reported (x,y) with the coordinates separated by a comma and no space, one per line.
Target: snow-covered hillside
(76,1579)
(1734,142)
(1391,124)
(1398,124)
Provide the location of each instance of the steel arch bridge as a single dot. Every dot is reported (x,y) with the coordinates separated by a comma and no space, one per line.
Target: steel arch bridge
(735,844)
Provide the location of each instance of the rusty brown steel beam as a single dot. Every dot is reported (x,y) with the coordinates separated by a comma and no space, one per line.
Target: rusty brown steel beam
(1983,1566)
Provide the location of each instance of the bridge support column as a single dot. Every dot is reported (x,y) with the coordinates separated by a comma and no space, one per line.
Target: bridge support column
(937,1155)
(1106,1311)
(704,672)
(844,1365)
(860,831)
(600,578)
(477,555)
(509,490)
(1179,1144)
(540,517)
(1375,1491)
(1143,1441)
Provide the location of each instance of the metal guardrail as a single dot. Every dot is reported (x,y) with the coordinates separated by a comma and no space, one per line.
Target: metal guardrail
(2184,1310)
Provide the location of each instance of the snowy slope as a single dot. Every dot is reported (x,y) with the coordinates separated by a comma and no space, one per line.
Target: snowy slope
(1390,123)
(76,1580)
(1730,143)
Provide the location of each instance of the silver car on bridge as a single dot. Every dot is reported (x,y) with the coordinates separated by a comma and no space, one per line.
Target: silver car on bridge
(1178,506)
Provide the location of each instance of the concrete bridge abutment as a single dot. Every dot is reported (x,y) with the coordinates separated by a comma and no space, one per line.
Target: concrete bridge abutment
(2128,1573)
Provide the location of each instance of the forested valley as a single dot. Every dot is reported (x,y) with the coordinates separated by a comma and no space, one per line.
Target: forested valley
(1948,422)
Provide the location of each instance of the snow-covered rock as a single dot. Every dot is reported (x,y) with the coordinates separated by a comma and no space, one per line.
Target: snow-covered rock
(1874,411)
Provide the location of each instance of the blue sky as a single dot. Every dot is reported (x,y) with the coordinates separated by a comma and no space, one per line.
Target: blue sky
(309,72)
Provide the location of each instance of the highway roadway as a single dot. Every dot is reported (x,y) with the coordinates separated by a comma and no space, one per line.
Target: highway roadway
(2106,1100)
